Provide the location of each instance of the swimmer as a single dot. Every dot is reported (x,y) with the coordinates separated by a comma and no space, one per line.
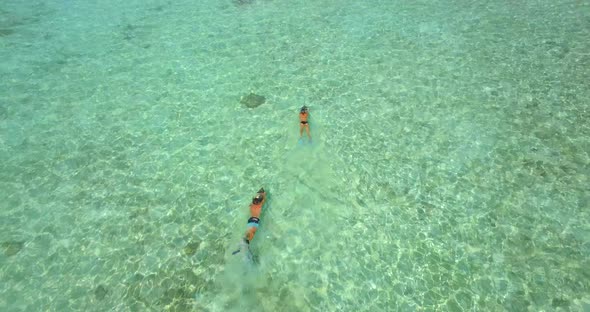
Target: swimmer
(303,123)
(255,210)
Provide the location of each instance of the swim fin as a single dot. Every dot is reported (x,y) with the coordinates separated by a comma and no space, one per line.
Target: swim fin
(244,248)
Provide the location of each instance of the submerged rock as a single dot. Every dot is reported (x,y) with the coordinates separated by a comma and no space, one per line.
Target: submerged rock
(12,248)
(252,100)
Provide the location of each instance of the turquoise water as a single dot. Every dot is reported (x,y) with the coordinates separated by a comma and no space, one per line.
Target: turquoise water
(449,169)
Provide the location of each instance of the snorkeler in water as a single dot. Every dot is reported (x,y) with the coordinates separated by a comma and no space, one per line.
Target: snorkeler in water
(253,221)
(255,210)
(303,122)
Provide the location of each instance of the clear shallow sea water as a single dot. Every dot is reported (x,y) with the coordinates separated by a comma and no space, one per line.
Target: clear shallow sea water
(449,169)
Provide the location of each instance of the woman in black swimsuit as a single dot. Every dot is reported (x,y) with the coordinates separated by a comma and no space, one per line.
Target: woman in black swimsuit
(303,123)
